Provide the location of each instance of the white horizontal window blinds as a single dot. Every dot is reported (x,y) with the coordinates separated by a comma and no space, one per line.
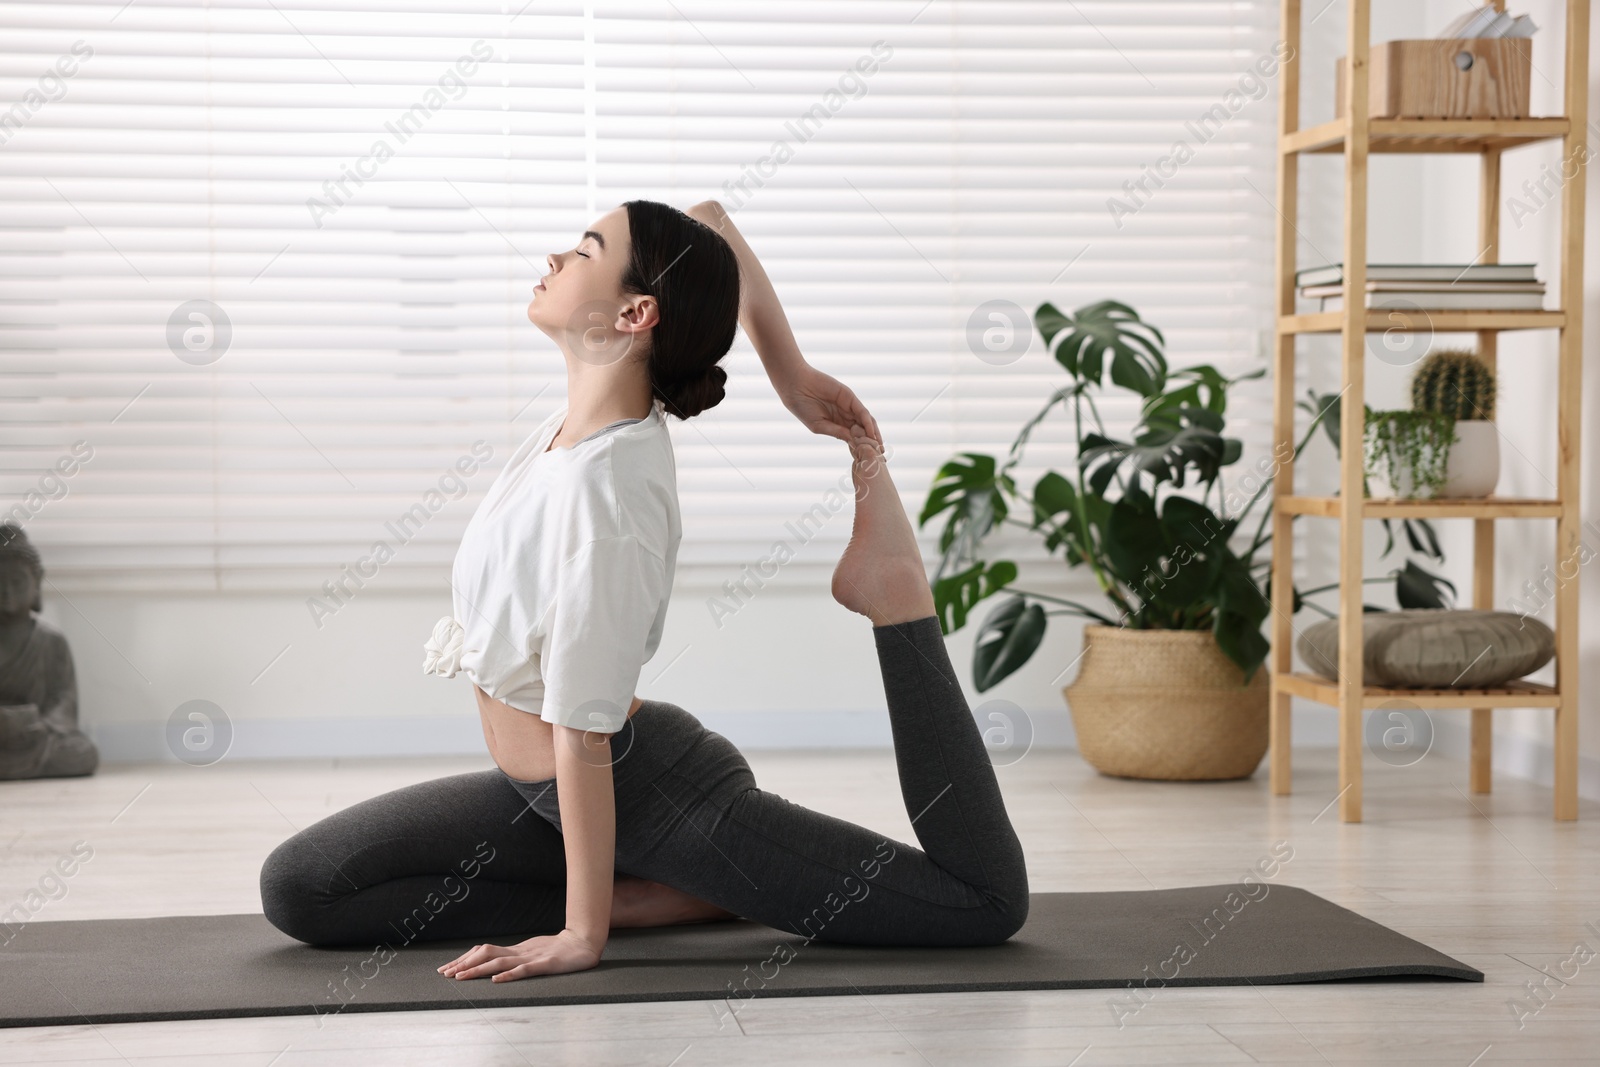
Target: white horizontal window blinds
(266,263)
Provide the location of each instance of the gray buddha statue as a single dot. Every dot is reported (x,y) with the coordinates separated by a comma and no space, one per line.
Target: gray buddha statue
(39,735)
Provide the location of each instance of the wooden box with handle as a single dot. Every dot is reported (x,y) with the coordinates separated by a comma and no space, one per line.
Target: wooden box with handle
(1445,78)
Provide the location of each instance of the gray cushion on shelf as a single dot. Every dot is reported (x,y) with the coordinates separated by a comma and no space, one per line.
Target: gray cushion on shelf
(1434,649)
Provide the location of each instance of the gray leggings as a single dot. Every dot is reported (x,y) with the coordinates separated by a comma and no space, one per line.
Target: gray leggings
(480,855)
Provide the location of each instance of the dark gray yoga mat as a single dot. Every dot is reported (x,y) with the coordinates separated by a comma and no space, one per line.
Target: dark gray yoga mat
(219,966)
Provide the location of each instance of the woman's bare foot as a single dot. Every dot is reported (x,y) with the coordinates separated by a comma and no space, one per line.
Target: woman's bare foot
(880,574)
(638,902)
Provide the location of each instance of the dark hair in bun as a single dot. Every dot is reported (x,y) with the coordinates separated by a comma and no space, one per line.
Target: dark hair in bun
(690,398)
(693,273)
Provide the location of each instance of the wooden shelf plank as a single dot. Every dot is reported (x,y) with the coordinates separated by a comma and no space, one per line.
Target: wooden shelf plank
(1424,320)
(1481,508)
(1319,138)
(1327,507)
(1322,507)
(1428,135)
(1511,695)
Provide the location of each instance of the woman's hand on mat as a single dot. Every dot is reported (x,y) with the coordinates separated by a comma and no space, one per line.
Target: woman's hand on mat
(550,954)
(824,404)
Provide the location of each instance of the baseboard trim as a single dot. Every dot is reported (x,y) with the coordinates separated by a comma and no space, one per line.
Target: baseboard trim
(1515,755)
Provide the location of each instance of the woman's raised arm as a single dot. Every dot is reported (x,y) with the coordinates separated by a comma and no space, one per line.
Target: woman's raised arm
(821,402)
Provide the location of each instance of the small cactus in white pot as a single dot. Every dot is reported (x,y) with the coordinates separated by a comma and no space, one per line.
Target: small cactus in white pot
(1457,383)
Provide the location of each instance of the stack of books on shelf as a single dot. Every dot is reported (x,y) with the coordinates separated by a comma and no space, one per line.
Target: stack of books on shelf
(1431,286)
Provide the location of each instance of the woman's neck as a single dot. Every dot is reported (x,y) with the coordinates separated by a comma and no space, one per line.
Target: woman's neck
(600,396)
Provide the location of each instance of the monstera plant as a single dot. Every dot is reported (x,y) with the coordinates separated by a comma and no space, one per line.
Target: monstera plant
(1148,514)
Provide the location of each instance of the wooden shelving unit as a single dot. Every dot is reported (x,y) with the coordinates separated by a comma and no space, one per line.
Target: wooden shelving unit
(1356,135)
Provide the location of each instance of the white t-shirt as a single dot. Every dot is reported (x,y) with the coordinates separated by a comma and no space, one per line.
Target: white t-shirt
(560,584)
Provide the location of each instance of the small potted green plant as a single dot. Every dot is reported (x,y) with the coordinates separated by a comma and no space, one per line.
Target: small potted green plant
(1405,452)
(1457,383)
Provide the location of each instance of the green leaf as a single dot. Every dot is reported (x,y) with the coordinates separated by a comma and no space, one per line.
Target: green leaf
(1430,546)
(1204,418)
(1191,522)
(1388,538)
(955,596)
(1050,320)
(1103,331)
(1181,583)
(1328,405)
(1100,477)
(1055,503)
(1416,588)
(956,482)
(1241,641)
(1134,542)
(1411,535)
(1052,496)
(1009,636)
(973,493)
(1194,536)
(1419,534)
(1098,510)
(1203,386)
(1242,608)
(1239,593)
(1168,452)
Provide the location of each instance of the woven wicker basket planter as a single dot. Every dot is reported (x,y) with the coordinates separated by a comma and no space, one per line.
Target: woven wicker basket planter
(1166,704)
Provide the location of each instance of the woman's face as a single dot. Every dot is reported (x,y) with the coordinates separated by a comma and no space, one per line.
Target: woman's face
(581,302)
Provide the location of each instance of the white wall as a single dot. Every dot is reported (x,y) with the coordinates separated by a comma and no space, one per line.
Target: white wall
(792,667)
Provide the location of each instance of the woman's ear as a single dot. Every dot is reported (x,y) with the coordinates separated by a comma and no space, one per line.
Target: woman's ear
(639,313)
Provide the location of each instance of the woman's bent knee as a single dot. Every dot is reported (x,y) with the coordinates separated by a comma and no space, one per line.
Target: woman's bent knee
(1010,918)
(1001,918)
(294,878)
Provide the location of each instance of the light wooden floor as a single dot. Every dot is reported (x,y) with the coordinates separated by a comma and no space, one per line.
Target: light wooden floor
(1493,881)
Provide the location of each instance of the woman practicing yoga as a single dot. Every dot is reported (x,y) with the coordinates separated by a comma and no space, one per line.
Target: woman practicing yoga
(606,810)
